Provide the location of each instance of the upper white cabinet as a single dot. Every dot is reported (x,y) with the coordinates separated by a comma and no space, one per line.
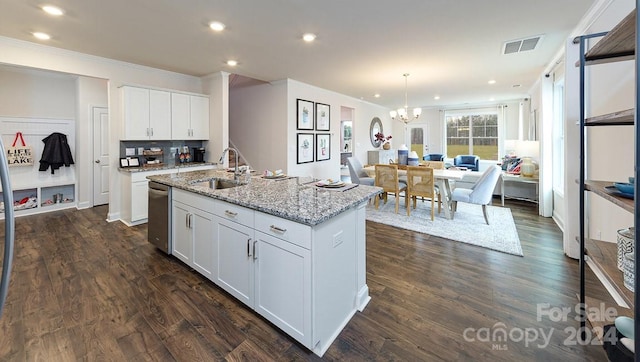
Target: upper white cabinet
(147,114)
(189,117)
(151,114)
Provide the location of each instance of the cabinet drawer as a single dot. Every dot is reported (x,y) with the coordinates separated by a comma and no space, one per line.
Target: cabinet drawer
(236,213)
(194,200)
(287,230)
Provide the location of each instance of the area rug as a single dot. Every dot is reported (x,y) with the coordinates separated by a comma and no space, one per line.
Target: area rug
(468,225)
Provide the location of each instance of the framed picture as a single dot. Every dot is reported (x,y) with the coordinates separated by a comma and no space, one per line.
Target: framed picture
(323,147)
(129,162)
(305,147)
(305,114)
(323,117)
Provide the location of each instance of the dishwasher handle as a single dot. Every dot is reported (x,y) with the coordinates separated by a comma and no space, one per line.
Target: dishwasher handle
(157,189)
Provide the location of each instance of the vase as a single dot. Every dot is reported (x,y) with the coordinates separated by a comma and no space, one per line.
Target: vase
(527,168)
(386,146)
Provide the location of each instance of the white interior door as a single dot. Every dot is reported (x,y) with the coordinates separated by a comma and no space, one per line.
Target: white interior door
(100,156)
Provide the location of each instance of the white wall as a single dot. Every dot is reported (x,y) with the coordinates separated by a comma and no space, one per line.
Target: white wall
(610,149)
(363,113)
(91,92)
(258,124)
(118,73)
(26,92)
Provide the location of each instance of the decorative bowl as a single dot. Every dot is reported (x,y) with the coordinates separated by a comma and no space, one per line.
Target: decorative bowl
(625,188)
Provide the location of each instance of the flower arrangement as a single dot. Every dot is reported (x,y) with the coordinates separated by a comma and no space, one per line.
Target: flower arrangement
(380,137)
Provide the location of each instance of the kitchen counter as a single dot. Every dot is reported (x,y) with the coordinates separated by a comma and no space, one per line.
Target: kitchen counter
(167,166)
(294,198)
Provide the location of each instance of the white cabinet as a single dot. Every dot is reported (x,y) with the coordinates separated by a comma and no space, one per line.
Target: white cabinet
(139,200)
(193,226)
(189,117)
(135,193)
(146,113)
(235,243)
(282,274)
(182,246)
(199,117)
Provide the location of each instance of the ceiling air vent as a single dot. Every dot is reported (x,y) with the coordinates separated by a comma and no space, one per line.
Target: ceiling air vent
(521,45)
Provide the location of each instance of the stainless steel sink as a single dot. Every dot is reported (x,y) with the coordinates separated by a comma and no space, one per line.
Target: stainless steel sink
(217,184)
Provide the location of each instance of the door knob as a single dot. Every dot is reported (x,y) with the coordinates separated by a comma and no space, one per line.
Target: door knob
(97,161)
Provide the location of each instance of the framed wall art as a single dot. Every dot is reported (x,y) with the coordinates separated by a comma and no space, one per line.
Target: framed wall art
(323,147)
(305,147)
(323,117)
(305,115)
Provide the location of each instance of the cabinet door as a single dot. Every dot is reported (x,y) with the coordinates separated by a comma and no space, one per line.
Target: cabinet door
(136,113)
(159,115)
(139,200)
(203,228)
(283,285)
(199,118)
(182,245)
(235,259)
(180,119)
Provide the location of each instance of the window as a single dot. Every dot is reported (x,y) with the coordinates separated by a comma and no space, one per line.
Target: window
(473,133)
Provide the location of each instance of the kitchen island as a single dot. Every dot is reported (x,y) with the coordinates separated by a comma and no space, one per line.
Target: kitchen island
(293,252)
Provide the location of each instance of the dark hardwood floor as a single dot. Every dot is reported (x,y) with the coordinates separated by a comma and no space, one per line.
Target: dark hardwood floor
(85,289)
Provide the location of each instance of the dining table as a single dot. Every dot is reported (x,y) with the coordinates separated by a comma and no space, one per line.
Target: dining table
(442,177)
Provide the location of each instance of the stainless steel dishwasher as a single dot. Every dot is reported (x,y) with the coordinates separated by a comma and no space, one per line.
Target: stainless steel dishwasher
(159,219)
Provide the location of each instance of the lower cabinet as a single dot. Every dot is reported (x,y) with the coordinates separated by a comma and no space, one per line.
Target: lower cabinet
(192,233)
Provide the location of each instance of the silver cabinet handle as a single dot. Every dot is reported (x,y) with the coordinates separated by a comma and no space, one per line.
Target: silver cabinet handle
(254,250)
(249,247)
(97,161)
(152,131)
(277,229)
(186,220)
(230,213)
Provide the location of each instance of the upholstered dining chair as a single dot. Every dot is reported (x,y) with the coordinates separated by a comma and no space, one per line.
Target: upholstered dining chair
(387,178)
(357,173)
(436,165)
(420,182)
(481,192)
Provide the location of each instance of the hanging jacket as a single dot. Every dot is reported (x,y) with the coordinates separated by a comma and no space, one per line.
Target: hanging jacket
(56,152)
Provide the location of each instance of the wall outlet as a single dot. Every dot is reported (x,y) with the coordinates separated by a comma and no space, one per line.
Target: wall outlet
(598,235)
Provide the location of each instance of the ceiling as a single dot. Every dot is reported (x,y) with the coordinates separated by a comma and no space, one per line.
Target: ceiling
(363,47)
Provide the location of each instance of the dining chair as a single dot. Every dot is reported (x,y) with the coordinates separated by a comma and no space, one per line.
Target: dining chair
(357,173)
(420,182)
(436,165)
(387,178)
(480,193)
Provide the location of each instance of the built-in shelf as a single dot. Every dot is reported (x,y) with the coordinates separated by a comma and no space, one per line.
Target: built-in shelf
(597,320)
(621,118)
(604,255)
(599,188)
(619,43)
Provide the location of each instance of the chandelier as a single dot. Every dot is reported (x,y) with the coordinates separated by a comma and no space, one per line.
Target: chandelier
(403,113)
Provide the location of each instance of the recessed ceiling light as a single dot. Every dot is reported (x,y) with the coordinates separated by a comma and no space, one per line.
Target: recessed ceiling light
(377,95)
(52,10)
(216,26)
(309,37)
(42,36)
(492,81)
(232,62)
(436,97)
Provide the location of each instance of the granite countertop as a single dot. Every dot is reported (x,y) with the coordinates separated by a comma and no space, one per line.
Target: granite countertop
(166,166)
(294,198)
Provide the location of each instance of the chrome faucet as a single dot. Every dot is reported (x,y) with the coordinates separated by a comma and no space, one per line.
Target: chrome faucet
(236,174)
